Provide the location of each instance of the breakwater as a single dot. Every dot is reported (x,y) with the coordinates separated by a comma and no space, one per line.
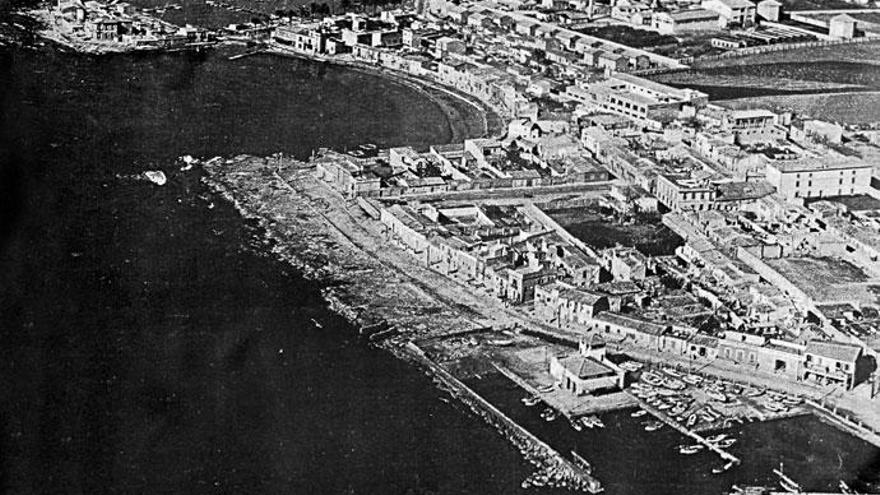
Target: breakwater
(553,468)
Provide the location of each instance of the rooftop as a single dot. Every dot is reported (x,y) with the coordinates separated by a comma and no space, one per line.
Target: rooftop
(584,367)
(834,350)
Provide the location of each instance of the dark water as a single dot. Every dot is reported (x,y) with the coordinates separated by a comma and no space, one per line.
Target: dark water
(148,347)
(631,461)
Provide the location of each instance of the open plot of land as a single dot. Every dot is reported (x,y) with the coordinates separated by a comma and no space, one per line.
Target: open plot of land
(601,231)
(849,108)
(827,279)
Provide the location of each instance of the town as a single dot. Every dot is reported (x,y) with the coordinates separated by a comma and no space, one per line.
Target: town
(762,304)
(766,308)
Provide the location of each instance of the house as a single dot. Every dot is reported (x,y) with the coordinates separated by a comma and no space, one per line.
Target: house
(832,363)
(819,177)
(565,306)
(587,372)
(686,21)
(769,10)
(637,330)
(626,263)
(612,61)
(732,12)
(842,26)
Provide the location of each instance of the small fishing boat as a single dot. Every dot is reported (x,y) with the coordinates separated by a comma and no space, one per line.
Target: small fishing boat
(716,438)
(719,470)
(723,444)
(576,425)
(788,484)
(754,392)
(672,372)
(692,420)
(674,384)
(639,413)
(530,401)
(692,379)
(689,449)
(653,426)
(316,323)
(550,416)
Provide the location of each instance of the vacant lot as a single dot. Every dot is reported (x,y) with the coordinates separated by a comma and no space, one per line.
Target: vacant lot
(848,108)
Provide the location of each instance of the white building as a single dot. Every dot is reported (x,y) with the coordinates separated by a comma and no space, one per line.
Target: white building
(733,12)
(819,177)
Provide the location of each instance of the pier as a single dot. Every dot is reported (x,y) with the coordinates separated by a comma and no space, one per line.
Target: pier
(569,405)
(688,432)
(566,473)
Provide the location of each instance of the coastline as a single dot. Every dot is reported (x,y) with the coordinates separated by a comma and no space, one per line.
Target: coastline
(490,120)
(391,301)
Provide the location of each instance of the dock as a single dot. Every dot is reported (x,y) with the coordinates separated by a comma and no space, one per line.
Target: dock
(568,473)
(727,456)
(569,405)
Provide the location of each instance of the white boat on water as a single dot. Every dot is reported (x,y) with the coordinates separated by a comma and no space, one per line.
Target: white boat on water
(654,426)
(639,413)
(690,449)
(716,438)
(672,372)
(788,484)
(719,470)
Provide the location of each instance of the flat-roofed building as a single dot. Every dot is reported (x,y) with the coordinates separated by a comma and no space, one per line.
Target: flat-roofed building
(682,193)
(733,12)
(649,102)
(819,177)
(686,21)
(832,363)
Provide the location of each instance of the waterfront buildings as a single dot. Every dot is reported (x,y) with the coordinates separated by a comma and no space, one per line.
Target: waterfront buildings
(731,183)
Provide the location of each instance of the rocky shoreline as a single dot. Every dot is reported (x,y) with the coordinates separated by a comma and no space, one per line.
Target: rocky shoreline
(298,221)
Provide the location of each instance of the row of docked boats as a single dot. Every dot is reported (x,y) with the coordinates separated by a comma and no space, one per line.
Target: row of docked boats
(659,380)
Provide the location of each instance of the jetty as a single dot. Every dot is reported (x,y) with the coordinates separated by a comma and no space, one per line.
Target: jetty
(569,405)
(563,471)
(688,432)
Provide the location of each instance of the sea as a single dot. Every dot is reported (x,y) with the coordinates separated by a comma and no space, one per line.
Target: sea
(151,346)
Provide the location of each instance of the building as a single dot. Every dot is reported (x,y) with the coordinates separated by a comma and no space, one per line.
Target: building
(753,126)
(682,193)
(686,21)
(832,363)
(637,330)
(651,103)
(769,10)
(587,372)
(819,177)
(842,26)
(565,306)
(732,12)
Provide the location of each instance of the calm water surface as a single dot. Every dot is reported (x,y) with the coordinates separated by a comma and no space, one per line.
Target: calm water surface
(148,347)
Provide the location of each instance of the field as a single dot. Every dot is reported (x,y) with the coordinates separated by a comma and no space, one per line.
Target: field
(849,108)
(839,82)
